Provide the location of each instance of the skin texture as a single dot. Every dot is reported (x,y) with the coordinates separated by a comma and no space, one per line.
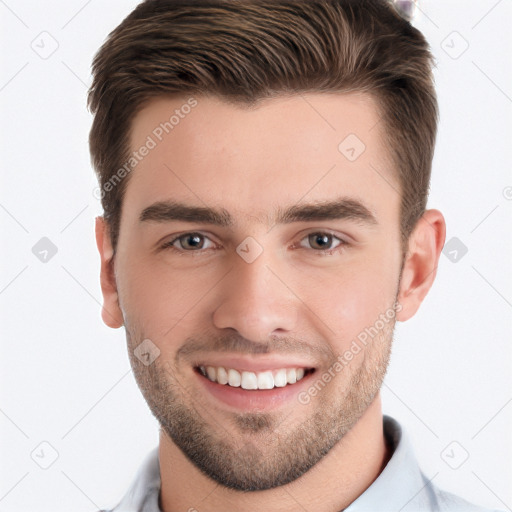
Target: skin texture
(292,300)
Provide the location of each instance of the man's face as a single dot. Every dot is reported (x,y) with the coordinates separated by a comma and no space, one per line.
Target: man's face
(265,286)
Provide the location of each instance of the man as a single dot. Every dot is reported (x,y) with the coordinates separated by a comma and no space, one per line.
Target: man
(290,144)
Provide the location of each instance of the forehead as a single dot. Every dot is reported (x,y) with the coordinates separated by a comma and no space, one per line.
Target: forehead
(249,160)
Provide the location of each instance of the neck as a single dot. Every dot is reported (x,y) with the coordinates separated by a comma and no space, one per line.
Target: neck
(332,484)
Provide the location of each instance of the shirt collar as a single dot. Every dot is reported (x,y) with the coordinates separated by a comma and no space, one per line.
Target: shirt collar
(401,482)
(143,494)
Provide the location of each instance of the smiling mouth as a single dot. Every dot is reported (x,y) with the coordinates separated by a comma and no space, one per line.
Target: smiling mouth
(269,379)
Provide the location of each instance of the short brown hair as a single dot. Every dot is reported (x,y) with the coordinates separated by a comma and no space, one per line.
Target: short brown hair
(247,50)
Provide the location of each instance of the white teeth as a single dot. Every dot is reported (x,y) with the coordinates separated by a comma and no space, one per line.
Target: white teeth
(222,375)
(249,380)
(265,380)
(210,371)
(253,380)
(234,378)
(291,376)
(280,379)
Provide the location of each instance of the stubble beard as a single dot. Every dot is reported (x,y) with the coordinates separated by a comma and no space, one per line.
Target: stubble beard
(260,450)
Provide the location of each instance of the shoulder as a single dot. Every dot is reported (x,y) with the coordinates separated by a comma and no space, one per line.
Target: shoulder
(403,478)
(445,501)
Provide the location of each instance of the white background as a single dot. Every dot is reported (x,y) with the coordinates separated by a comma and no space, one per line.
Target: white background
(65,377)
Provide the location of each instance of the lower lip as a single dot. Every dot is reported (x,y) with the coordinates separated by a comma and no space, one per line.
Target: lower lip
(255,399)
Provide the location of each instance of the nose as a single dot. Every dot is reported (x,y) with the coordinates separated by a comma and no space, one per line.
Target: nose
(256,300)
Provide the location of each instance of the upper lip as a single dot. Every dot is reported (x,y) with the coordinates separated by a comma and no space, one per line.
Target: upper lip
(256,364)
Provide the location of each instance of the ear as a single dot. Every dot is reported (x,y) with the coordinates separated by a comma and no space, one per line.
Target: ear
(111,312)
(420,266)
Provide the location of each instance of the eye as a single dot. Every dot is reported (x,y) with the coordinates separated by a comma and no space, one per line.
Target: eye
(189,242)
(322,241)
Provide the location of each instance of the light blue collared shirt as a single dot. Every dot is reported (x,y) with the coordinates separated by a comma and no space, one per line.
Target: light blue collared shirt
(401,486)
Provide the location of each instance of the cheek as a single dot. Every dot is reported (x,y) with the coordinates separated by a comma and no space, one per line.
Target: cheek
(352,299)
(158,300)
(338,302)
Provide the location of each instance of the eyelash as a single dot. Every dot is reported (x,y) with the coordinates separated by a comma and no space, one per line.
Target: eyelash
(342,245)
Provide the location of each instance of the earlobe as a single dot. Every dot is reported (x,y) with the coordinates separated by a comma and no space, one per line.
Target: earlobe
(111,312)
(420,266)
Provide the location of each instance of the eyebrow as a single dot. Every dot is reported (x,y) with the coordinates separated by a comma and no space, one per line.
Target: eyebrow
(341,208)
